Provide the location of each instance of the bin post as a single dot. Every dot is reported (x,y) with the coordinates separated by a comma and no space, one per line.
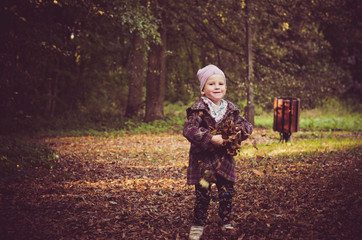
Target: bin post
(286,116)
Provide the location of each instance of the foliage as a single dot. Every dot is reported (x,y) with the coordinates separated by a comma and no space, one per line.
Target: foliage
(136,17)
(16,155)
(64,57)
(69,58)
(232,136)
(288,61)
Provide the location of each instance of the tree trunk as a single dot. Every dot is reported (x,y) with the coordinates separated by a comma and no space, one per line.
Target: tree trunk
(52,93)
(155,82)
(249,109)
(136,81)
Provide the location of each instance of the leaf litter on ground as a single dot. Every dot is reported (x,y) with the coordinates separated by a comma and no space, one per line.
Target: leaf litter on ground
(134,187)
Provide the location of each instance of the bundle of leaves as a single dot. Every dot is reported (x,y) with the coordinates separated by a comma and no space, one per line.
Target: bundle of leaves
(232,134)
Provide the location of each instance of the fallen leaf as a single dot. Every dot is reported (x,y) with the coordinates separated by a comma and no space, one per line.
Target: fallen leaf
(257,172)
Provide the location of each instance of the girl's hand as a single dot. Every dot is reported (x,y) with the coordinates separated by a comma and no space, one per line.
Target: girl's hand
(217,140)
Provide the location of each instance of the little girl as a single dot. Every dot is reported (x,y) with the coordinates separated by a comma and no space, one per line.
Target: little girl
(206,152)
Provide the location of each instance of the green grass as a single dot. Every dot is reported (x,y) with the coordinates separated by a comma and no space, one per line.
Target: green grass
(330,117)
(300,151)
(346,122)
(333,115)
(321,144)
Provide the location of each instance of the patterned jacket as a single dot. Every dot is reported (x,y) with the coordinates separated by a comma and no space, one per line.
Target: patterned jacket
(196,130)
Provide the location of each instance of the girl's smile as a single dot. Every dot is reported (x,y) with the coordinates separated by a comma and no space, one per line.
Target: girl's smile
(215,88)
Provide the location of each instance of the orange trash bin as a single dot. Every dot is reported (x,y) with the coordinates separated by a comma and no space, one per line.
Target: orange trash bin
(286,116)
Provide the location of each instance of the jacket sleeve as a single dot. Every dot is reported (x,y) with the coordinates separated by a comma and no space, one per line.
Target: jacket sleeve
(194,132)
(246,127)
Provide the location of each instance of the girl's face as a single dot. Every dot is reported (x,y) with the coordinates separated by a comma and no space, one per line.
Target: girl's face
(215,88)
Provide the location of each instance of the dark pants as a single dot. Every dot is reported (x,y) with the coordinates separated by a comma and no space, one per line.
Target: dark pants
(225,191)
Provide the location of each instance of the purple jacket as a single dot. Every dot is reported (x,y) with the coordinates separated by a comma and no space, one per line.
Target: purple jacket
(196,130)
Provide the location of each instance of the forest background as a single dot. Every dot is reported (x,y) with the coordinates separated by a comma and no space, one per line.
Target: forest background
(93,96)
(113,63)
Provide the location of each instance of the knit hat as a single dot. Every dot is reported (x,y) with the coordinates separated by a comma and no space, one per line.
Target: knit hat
(204,73)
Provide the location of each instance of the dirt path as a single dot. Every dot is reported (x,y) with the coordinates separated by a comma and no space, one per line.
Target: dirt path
(134,187)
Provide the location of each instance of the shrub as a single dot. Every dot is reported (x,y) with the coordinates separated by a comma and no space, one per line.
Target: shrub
(16,155)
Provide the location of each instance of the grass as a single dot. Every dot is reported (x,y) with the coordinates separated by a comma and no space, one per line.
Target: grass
(302,152)
(348,122)
(329,117)
(327,144)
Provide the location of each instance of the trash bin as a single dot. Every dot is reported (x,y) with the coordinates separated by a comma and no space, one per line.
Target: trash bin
(286,116)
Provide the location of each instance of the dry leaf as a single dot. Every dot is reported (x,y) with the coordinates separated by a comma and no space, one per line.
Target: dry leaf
(257,172)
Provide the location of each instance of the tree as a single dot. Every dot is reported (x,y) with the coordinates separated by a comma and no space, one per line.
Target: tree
(155,83)
(36,46)
(249,109)
(291,55)
(136,81)
(156,73)
(142,26)
(77,57)
(340,21)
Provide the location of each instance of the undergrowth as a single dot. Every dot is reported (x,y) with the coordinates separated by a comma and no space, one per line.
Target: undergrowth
(332,116)
(16,155)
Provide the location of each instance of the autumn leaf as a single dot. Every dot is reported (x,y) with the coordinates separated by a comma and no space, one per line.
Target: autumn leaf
(257,172)
(233,136)
(129,187)
(204,183)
